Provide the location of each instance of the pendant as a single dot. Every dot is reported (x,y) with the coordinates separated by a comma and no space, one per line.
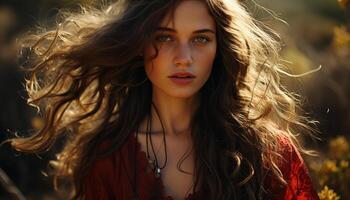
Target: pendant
(157,172)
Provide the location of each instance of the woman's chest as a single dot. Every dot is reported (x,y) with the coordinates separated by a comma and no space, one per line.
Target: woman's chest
(176,162)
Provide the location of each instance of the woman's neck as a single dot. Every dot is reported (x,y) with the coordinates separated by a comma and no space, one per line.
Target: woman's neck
(175,113)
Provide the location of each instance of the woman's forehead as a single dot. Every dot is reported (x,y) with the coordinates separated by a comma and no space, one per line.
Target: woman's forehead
(189,15)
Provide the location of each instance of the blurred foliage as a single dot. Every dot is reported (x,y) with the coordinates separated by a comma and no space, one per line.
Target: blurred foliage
(318,33)
(43,12)
(341,36)
(344,3)
(333,169)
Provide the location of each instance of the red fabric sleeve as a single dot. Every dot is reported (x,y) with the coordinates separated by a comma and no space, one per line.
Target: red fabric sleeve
(300,186)
(109,177)
(96,185)
(105,177)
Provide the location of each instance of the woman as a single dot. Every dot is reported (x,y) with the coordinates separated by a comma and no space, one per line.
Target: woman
(167,100)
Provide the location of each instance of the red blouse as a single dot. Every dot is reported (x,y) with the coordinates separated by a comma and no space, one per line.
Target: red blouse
(109,178)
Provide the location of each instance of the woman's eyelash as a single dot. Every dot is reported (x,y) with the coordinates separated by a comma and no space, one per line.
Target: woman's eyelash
(206,38)
(160,37)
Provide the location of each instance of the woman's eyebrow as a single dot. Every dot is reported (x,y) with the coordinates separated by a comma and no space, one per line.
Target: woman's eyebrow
(205,30)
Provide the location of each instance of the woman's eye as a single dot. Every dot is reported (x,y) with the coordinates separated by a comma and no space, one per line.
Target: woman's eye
(167,38)
(163,38)
(202,39)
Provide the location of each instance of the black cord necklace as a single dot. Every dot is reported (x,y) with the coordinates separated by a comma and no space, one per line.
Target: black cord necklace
(154,163)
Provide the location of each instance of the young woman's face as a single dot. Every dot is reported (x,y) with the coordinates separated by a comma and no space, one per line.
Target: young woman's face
(188,45)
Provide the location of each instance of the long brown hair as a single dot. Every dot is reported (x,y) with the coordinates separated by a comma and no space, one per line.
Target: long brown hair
(89,83)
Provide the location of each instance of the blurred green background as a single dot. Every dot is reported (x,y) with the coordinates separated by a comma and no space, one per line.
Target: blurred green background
(313,33)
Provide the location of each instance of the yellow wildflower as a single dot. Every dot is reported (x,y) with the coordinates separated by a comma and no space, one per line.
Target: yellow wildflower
(341,37)
(339,146)
(328,194)
(344,164)
(329,166)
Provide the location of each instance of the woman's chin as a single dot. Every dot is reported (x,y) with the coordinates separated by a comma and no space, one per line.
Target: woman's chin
(177,92)
(182,94)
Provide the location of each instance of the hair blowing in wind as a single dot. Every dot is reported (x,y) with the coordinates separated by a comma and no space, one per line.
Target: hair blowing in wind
(88,82)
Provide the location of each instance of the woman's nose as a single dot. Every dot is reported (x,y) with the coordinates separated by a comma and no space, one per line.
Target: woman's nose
(183,56)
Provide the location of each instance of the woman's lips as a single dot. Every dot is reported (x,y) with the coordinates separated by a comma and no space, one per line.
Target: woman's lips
(182,75)
(181,80)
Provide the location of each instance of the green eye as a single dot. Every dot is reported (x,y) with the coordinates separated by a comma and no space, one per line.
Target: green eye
(167,38)
(163,38)
(202,39)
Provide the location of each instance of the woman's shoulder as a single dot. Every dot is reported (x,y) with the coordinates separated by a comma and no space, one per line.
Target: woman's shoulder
(106,174)
(295,172)
(108,152)
(112,175)
(291,158)
(103,163)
